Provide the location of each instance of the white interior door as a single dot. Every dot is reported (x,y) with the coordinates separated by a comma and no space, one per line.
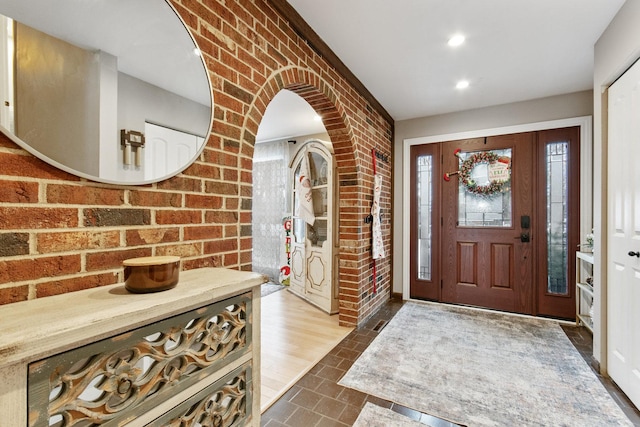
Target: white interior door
(623,277)
(166,150)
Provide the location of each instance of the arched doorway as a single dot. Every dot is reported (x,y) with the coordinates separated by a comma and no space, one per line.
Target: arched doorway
(288,121)
(280,144)
(320,96)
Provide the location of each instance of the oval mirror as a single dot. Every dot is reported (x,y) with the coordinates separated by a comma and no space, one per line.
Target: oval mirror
(113,91)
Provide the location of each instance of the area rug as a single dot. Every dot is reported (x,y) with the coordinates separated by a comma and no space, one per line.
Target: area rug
(482,368)
(377,416)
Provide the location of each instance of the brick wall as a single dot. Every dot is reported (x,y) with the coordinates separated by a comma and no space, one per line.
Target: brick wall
(60,233)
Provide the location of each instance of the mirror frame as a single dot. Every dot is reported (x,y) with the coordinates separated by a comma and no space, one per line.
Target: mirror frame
(24,145)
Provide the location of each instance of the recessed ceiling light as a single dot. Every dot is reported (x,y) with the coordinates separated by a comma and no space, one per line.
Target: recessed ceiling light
(462,84)
(197,52)
(317,118)
(456,40)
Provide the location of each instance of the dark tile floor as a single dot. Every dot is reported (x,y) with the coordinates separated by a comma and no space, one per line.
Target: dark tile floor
(582,340)
(318,401)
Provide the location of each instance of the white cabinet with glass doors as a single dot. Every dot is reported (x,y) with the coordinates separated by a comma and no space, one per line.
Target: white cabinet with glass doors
(313,246)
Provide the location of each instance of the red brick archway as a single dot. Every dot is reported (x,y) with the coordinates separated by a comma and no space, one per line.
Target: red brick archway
(323,100)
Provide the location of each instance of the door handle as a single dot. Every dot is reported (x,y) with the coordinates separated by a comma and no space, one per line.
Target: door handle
(632,253)
(525,238)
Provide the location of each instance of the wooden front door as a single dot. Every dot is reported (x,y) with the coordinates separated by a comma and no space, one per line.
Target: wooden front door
(505,240)
(486,239)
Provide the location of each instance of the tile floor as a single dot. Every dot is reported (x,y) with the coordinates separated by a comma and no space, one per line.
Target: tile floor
(318,401)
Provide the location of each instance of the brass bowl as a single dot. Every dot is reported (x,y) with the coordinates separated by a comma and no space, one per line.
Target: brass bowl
(151,274)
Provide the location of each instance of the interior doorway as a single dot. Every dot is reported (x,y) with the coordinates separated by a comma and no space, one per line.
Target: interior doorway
(288,133)
(287,122)
(485,211)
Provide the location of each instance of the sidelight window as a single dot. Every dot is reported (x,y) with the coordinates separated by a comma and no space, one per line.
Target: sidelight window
(557,167)
(425,202)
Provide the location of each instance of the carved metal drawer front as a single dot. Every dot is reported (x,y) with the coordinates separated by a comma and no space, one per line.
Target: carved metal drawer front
(110,382)
(225,403)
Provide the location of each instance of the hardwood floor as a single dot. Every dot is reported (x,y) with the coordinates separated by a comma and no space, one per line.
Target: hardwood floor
(295,337)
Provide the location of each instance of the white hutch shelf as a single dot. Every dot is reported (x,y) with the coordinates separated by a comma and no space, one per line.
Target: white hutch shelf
(584,290)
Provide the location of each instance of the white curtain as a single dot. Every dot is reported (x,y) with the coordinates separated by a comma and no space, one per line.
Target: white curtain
(271,195)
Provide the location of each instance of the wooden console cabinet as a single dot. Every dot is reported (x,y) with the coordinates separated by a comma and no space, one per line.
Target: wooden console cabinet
(188,356)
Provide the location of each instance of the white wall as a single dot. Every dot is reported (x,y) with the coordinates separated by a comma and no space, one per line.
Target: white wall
(140,102)
(578,104)
(616,50)
(300,140)
(57,101)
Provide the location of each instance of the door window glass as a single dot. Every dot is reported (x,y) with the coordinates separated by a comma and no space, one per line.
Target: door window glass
(318,176)
(556,156)
(298,225)
(484,199)
(425,201)
(318,169)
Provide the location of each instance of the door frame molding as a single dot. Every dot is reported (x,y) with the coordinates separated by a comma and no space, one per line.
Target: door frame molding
(586,174)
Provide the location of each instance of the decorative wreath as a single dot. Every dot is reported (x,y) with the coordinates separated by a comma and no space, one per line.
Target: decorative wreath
(467,166)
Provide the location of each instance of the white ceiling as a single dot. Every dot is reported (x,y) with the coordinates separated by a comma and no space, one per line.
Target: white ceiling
(288,116)
(515,50)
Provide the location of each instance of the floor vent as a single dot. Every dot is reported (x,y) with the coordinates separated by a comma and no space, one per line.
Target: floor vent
(380,325)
